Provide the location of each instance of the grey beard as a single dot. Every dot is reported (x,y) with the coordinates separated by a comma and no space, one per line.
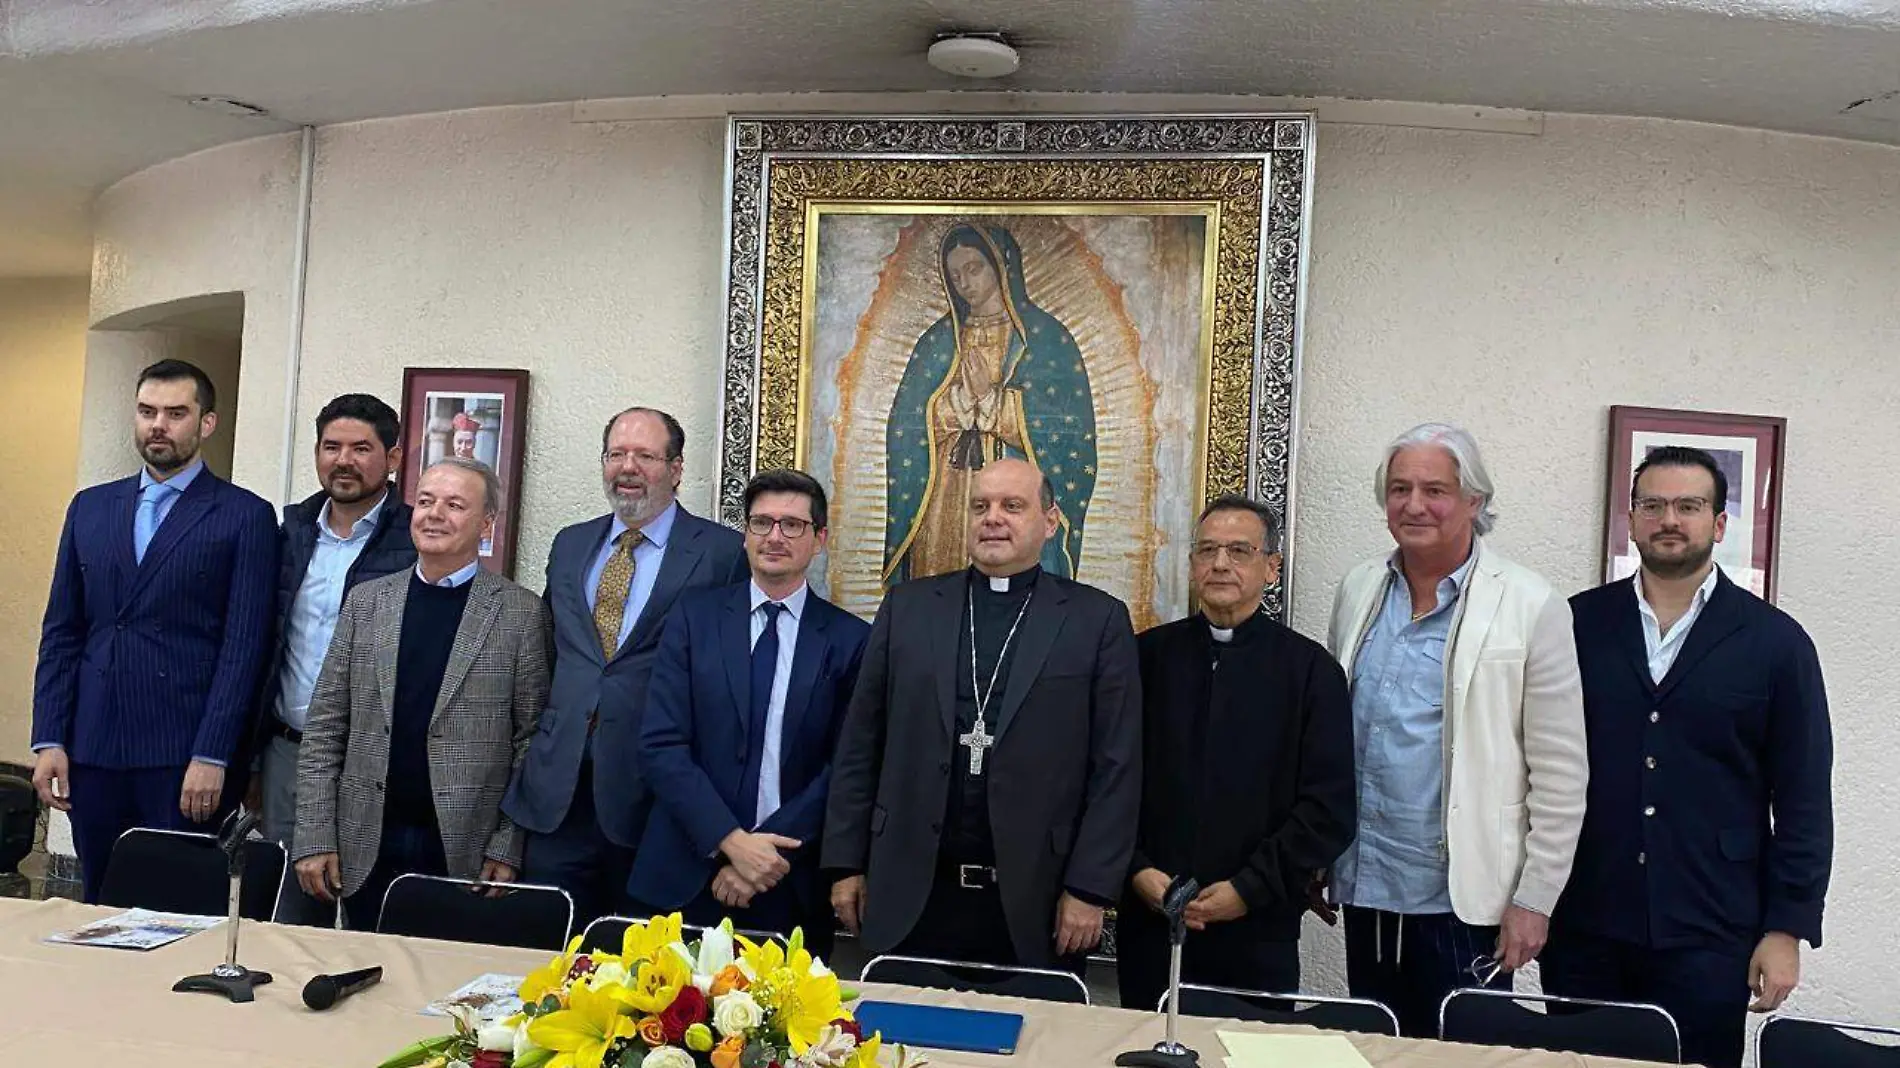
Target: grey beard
(632,513)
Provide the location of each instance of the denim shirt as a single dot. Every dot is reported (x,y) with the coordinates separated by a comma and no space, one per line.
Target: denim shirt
(1398,862)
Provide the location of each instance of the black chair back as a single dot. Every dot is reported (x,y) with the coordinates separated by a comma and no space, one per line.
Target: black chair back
(460,910)
(1356,1015)
(1040,984)
(1629,1030)
(1795,1042)
(183,871)
(19,815)
(608,934)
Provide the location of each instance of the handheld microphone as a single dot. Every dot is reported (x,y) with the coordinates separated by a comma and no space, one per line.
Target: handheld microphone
(324,991)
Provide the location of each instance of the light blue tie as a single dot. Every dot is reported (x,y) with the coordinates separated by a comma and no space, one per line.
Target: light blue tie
(145,521)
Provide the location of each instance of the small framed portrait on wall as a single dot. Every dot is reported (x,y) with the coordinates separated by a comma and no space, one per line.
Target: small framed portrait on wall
(478,415)
(1748,448)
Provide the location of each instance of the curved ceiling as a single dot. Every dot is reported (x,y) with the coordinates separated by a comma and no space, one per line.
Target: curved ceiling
(90,92)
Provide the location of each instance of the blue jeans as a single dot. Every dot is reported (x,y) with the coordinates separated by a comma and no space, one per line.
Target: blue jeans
(1412,962)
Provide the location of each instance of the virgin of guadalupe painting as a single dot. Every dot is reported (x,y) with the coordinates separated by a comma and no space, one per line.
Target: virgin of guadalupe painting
(996,376)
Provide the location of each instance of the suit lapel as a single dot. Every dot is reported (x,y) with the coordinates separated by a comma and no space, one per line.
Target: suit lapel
(119,521)
(677,564)
(574,575)
(1484,591)
(1717,621)
(808,657)
(1627,630)
(1042,622)
(484,603)
(390,603)
(946,630)
(735,641)
(198,500)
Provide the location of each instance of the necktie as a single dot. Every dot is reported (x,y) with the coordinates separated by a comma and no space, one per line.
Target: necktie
(610,596)
(145,520)
(764,667)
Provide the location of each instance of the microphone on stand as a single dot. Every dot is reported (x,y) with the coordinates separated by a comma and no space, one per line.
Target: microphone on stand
(230,978)
(1170,1053)
(323,991)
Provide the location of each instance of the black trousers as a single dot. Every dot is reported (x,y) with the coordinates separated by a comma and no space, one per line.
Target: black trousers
(1237,954)
(1705,989)
(405,850)
(580,859)
(965,924)
(1412,962)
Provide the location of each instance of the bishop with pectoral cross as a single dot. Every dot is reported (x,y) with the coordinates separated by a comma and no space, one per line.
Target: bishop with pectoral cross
(988,773)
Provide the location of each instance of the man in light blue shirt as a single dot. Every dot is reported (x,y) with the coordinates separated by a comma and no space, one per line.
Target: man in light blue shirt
(353,530)
(581,793)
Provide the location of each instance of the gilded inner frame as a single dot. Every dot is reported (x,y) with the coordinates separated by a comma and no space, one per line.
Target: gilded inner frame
(1150,275)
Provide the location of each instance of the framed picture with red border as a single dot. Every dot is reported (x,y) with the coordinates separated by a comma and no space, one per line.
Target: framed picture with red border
(477,414)
(1750,451)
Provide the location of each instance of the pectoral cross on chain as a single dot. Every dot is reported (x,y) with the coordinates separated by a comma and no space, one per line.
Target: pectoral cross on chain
(979,740)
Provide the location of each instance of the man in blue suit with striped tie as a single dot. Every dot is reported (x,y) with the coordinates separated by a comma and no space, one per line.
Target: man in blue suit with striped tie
(157,629)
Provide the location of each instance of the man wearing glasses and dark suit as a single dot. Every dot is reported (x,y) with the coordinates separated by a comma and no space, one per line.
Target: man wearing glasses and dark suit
(610,581)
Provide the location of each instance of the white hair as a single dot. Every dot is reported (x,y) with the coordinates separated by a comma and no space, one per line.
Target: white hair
(1473,480)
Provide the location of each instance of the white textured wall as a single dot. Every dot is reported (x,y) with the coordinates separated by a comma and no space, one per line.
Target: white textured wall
(42,359)
(1517,284)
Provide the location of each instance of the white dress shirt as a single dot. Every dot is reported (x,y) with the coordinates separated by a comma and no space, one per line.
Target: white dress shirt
(781,680)
(1663,648)
(461,576)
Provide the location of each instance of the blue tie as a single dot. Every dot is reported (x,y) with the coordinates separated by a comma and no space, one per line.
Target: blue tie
(764,667)
(145,521)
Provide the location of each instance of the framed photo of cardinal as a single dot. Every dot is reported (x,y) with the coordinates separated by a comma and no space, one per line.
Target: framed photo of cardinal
(478,415)
(1748,448)
(1116,300)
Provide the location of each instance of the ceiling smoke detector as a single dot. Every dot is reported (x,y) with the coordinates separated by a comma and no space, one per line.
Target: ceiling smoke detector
(974,56)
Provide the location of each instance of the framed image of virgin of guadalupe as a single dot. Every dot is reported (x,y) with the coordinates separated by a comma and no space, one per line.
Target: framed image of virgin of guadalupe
(1116,300)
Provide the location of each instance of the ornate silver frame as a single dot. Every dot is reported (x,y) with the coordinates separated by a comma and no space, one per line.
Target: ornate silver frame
(1283,143)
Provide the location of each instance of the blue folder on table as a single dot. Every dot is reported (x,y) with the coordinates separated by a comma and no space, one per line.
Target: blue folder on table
(937,1027)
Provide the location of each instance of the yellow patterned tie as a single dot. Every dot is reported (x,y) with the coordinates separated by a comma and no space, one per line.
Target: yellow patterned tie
(610,597)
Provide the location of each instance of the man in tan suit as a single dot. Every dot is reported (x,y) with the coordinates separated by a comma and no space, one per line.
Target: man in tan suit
(1469,739)
(424,708)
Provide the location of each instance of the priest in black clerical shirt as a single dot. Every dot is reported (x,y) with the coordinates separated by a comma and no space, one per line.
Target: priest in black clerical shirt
(988,773)
(1248,773)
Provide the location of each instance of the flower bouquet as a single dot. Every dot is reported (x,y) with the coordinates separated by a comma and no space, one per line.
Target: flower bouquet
(722,1002)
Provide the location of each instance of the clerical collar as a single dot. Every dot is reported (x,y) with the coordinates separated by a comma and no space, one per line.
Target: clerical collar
(1229,635)
(1222,635)
(1021,580)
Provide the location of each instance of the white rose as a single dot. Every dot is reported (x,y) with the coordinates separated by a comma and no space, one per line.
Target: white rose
(523,1044)
(668,1057)
(609,974)
(736,1014)
(496,1037)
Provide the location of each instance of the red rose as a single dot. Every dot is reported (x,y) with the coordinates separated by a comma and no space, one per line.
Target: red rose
(687,1009)
(489,1058)
(850,1027)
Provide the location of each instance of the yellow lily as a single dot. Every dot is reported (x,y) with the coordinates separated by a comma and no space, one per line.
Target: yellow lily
(656,986)
(580,1034)
(866,1054)
(806,1005)
(550,978)
(651,940)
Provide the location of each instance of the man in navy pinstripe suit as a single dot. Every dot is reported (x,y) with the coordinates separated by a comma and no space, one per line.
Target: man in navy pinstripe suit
(157,629)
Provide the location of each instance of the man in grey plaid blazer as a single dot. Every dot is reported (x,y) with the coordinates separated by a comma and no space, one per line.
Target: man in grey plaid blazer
(425,705)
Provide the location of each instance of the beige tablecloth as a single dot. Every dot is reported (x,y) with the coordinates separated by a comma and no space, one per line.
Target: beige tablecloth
(62,1004)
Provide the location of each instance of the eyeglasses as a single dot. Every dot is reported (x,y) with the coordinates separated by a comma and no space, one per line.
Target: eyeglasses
(1484,969)
(1686,507)
(1239,552)
(790,526)
(619,458)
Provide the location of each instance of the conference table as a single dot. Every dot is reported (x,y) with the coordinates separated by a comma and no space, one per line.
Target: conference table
(67,1004)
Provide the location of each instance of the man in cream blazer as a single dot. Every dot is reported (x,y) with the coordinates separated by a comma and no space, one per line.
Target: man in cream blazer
(1469,738)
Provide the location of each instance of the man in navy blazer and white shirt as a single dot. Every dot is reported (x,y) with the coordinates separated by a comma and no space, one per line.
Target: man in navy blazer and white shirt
(1709,837)
(156,633)
(610,582)
(749,689)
